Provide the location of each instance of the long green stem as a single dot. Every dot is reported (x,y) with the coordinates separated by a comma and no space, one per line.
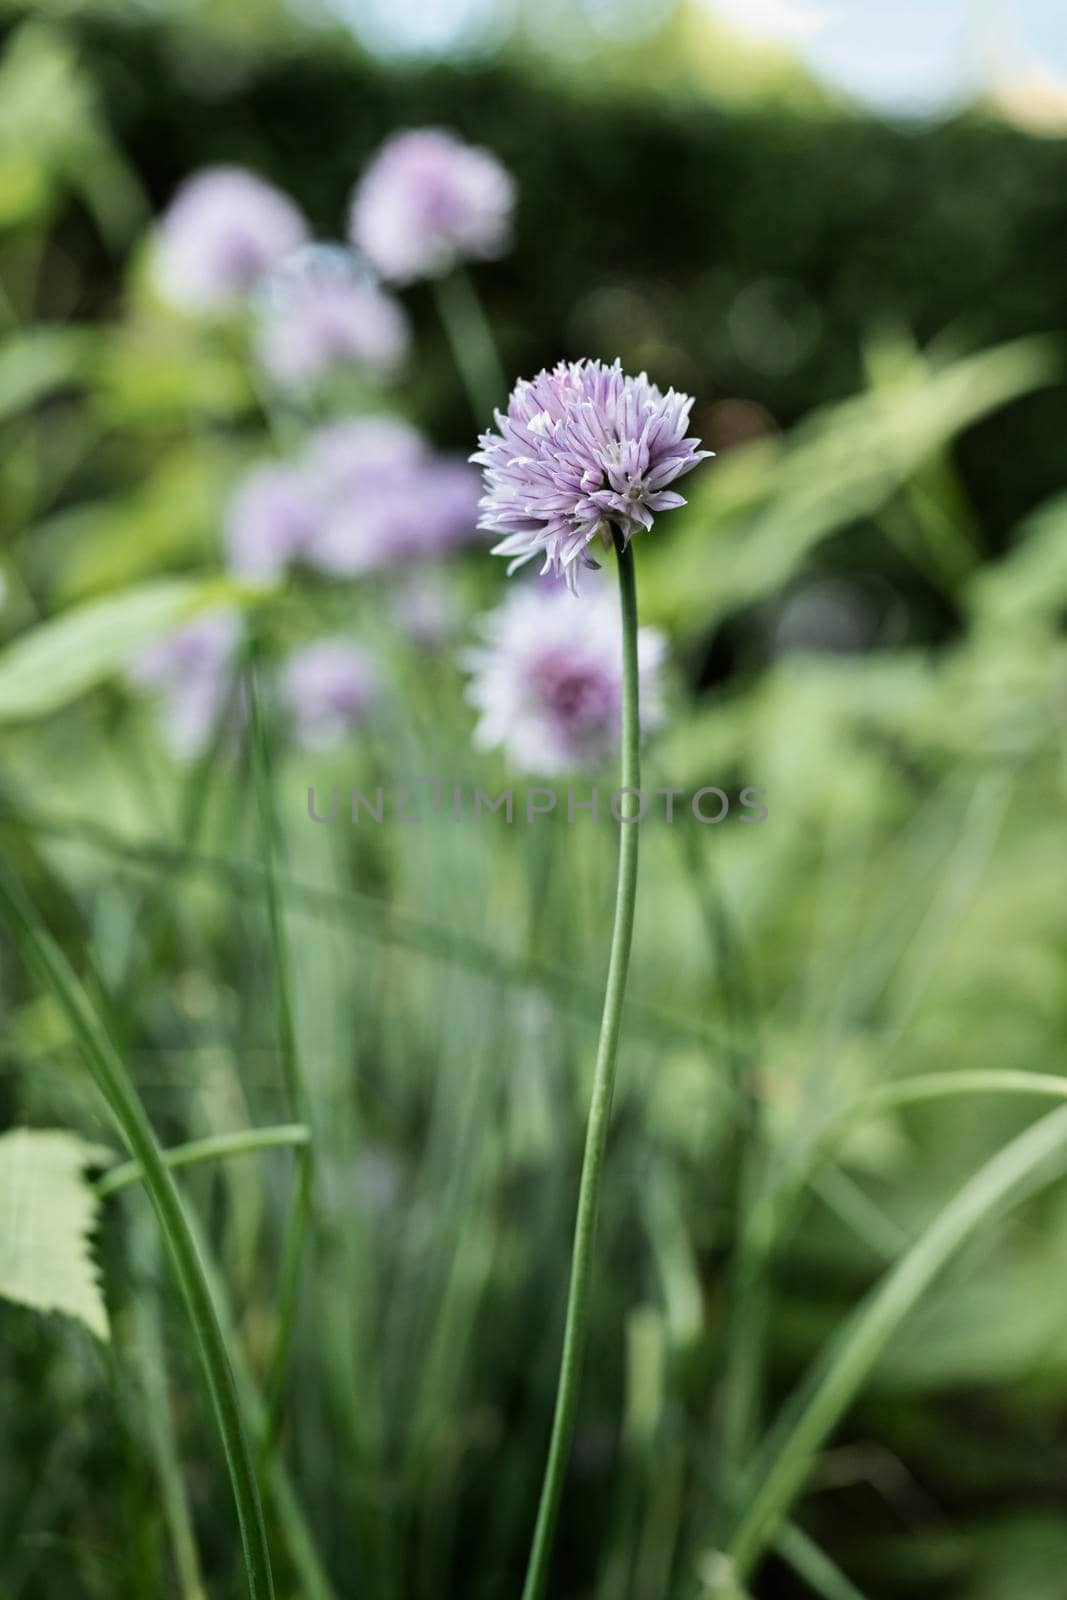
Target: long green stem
(159,910)
(472,344)
(215,1147)
(299,1221)
(600,1105)
(117,1087)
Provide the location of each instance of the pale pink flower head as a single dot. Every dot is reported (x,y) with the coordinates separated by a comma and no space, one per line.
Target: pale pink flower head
(582,451)
(224,230)
(321,314)
(192,671)
(547,678)
(387,499)
(429,201)
(355,455)
(329,688)
(270,522)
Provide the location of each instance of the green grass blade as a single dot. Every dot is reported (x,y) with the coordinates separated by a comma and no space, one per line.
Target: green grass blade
(300,1210)
(109,1072)
(159,1428)
(215,1148)
(312,1582)
(378,921)
(822,1576)
(784,1459)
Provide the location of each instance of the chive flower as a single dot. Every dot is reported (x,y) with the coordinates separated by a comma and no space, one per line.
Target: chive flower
(191,671)
(320,314)
(386,498)
(582,450)
(328,688)
(546,678)
(270,521)
(224,230)
(429,201)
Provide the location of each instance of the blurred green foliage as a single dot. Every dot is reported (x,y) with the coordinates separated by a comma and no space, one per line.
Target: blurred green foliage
(747,255)
(879,312)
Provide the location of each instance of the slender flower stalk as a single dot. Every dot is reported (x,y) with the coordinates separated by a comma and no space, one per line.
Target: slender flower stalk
(300,1212)
(427,201)
(582,458)
(574,1332)
(471,341)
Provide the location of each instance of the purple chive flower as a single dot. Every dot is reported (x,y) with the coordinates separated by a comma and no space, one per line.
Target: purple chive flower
(328,688)
(192,671)
(223,232)
(445,498)
(387,499)
(321,314)
(271,520)
(582,450)
(547,678)
(352,456)
(428,201)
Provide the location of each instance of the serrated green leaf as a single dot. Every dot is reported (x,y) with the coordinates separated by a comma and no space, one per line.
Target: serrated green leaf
(48,1212)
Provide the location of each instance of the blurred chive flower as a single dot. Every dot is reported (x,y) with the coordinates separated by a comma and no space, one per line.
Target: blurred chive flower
(547,678)
(319,314)
(368,495)
(328,688)
(583,450)
(270,522)
(193,672)
(386,498)
(224,230)
(354,454)
(429,201)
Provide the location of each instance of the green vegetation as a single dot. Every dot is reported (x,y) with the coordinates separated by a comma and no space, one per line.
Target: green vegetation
(320,1092)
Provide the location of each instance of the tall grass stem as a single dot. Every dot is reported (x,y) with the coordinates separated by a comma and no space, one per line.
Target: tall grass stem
(299,1220)
(109,1072)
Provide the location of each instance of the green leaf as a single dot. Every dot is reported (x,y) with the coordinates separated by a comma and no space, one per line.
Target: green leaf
(1030,584)
(997,1329)
(158,371)
(34,362)
(783,1460)
(754,517)
(53,134)
(62,658)
(167,524)
(117,1088)
(48,1213)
